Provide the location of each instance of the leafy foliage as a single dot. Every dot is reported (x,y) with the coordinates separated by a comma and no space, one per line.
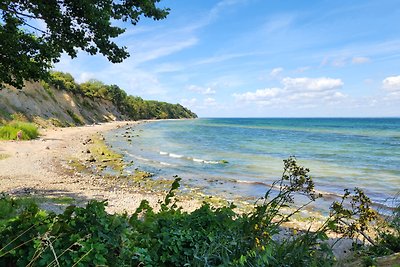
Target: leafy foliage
(27,51)
(75,117)
(170,237)
(388,237)
(134,107)
(10,130)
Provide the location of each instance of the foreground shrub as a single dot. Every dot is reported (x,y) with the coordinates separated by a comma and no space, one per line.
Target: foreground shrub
(10,130)
(387,241)
(171,237)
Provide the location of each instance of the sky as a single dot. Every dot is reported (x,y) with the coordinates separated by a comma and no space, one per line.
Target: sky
(261,58)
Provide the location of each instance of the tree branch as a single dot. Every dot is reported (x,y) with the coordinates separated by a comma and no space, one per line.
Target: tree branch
(35,28)
(13,10)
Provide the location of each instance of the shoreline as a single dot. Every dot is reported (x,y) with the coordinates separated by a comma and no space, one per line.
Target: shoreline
(40,169)
(50,167)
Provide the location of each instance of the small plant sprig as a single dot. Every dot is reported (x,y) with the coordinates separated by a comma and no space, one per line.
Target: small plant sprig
(170,195)
(352,215)
(295,180)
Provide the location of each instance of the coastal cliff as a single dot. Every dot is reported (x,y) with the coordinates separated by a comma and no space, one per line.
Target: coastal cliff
(58,107)
(66,103)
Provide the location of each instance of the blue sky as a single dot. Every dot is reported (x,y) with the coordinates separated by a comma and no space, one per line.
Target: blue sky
(261,58)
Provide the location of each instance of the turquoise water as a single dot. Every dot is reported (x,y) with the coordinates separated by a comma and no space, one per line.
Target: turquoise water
(341,153)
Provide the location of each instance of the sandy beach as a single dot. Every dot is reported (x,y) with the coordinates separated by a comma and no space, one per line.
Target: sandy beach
(40,168)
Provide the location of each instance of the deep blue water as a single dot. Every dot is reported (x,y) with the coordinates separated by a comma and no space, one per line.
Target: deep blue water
(341,153)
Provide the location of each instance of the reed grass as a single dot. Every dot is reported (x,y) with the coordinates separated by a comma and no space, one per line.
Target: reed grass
(9,131)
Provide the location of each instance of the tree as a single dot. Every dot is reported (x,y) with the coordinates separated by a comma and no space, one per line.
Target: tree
(28,51)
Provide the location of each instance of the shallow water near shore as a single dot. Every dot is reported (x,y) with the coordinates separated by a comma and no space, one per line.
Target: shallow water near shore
(242,157)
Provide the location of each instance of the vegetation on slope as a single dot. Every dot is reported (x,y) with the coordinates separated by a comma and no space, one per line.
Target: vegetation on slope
(134,107)
(10,130)
(171,237)
(63,102)
(386,247)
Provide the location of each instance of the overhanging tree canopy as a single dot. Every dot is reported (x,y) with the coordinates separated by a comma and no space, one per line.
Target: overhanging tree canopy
(27,51)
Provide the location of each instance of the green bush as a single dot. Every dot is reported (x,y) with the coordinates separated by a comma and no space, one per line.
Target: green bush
(75,117)
(171,237)
(4,115)
(133,107)
(10,130)
(387,241)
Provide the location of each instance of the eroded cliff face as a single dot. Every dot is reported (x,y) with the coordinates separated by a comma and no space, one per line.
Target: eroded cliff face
(52,106)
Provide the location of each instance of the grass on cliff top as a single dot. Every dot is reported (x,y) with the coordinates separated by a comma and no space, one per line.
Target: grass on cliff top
(9,131)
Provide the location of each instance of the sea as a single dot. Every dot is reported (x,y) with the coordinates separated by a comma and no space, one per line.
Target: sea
(239,158)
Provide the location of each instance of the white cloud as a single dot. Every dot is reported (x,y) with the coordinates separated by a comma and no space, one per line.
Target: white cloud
(259,95)
(152,50)
(391,84)
(297,91)
(275,72)
(222,6)
(334,62)
(142,83)
(222,58)
(190,103)
(227,81)
(341,61)
(214,13)
(85,76)
(209,102)
(209,91)
(201,90)
(360,60)
(312,84)
(198,104)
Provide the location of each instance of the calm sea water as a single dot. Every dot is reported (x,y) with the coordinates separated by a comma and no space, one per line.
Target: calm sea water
(341,153)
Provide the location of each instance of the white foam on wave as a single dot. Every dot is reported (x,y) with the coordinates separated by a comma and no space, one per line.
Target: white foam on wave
(253,183)
(204,161)
(172,155)
(211,162)
(137,157)
(144,159)
(165,164)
